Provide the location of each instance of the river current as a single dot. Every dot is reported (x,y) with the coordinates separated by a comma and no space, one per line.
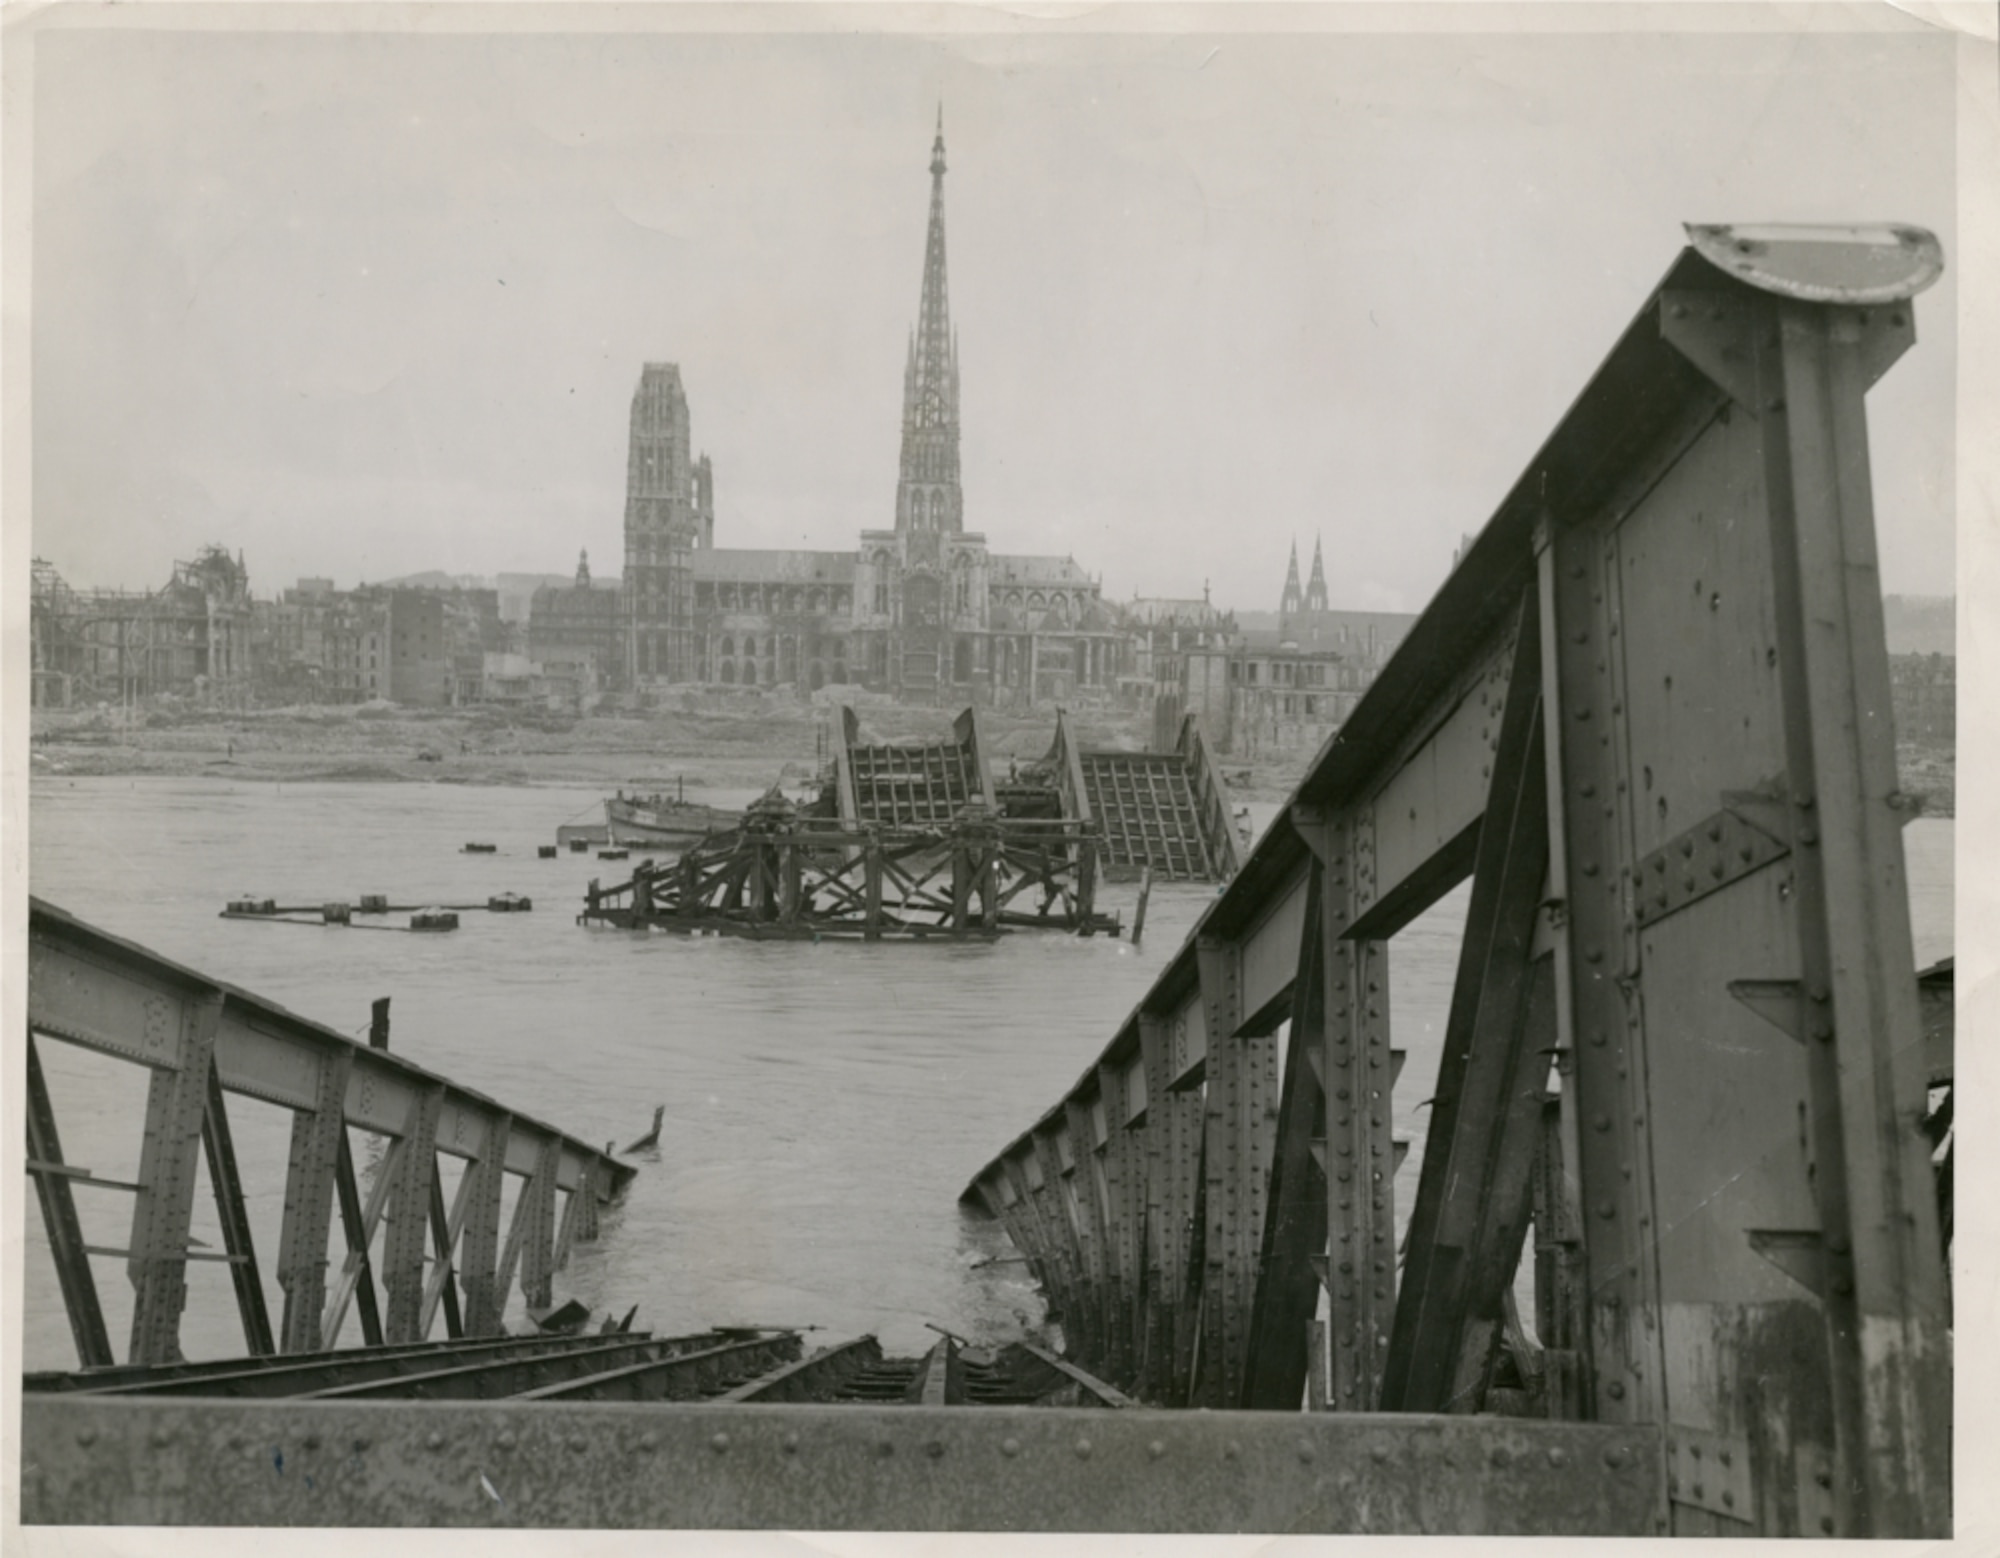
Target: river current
(825,1104)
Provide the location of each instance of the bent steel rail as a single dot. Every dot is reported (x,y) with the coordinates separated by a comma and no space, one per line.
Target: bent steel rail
(1648,714)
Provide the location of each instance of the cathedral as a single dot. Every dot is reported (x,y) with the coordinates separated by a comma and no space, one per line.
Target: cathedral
(921,610)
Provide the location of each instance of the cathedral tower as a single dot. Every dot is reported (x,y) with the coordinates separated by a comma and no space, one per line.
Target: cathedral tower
(661,529)
(1316,585)
(928,499)
(1293,600)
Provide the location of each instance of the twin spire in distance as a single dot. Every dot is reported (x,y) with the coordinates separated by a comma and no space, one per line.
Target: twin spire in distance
(1313,597)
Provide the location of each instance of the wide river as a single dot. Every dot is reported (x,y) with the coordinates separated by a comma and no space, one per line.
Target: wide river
(825,1103)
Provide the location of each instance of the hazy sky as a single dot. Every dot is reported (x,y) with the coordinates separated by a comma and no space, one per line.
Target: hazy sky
(363,305)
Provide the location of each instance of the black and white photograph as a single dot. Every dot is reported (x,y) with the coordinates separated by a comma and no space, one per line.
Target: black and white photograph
(1156,770)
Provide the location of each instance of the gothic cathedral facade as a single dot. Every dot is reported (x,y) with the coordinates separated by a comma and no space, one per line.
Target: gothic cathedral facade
(921,611)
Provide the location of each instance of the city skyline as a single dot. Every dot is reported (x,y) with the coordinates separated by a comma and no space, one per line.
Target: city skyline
(1211,290)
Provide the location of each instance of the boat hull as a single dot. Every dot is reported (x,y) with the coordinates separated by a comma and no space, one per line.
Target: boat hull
(632,822)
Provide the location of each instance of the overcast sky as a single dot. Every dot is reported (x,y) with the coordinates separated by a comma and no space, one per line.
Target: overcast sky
(363,305)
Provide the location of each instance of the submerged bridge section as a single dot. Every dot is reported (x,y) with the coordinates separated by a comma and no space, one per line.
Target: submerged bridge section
(1649,717)
(1163,812)
(911,784)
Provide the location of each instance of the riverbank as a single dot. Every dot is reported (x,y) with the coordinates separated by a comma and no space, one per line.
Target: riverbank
(718,747)
(729,744)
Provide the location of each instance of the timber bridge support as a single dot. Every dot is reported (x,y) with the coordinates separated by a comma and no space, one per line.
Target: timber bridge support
(1647,717)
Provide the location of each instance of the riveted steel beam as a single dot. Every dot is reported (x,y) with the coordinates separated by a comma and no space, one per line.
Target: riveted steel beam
(1089,1197)
(446,1228)
(1065,1221)
(1287,1290)
(59,1220)
(1241,1107)
(1560,1302)
(1597,1002)
(176,1104)
(1173,1154)
(1886,1312)
(484,1287)
(1121,1162)
(1358,1072)
(1474,1198)
(312,1173)
(227,1186)
(356,1282)
(409,1215)
(535,1226)
(551,1464)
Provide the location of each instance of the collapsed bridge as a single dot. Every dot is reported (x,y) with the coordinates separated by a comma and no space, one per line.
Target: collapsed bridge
(1647,717)
(916,841)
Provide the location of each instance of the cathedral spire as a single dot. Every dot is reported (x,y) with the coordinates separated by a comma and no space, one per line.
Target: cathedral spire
(1293,599)
(927,496)
(1316,585)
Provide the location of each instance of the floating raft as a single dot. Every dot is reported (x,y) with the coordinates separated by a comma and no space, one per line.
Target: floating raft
(424,917)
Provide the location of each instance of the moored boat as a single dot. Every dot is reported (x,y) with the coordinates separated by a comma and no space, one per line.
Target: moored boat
(663,819)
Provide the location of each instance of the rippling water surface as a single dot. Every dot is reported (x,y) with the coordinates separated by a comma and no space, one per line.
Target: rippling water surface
(825,1104)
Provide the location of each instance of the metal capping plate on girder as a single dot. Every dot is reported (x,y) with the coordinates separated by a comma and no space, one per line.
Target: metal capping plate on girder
(1706,858)
(1878,263)
(1710,1471)
(306,1463)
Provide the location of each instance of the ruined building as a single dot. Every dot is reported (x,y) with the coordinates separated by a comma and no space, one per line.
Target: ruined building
(189,638)
(921,610)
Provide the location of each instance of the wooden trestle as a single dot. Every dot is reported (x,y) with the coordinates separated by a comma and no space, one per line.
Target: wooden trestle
(783,877)
(1649,716)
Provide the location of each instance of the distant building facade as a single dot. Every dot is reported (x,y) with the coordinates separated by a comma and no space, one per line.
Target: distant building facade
(420,645)
(582,619)
(1278,683)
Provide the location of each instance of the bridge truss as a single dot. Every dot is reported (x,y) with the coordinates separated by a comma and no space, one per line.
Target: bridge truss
(1648,717)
